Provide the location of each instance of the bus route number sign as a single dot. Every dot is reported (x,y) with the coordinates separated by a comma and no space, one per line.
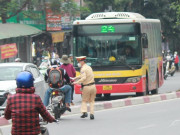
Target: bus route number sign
(107,29)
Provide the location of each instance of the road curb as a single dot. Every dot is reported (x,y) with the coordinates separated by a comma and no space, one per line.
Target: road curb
(128,102)
(117,103)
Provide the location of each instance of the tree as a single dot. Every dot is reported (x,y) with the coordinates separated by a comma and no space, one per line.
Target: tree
(176,6)
(10,8)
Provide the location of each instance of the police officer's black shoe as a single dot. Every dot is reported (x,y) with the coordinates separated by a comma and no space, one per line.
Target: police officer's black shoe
(92,116)
(84,115)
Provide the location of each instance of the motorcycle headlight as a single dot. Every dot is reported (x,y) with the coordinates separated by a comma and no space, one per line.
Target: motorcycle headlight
(133,79)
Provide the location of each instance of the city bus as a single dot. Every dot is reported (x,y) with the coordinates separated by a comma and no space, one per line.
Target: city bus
(124,50)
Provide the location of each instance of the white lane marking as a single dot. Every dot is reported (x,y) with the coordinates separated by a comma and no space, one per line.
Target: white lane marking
(174,123)
(148,126)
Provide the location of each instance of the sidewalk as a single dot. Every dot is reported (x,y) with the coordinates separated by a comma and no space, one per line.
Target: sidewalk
(128,102)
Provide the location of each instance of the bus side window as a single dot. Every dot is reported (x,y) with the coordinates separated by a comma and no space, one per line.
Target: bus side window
(144,40)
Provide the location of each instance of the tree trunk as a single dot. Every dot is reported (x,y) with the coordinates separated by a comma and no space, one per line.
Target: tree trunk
(3,16)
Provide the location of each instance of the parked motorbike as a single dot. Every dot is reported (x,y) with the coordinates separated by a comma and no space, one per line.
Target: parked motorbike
(57,104)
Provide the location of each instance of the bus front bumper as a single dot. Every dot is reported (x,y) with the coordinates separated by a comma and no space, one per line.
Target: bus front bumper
(117,88)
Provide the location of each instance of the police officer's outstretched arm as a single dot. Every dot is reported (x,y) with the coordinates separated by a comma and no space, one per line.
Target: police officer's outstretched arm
(44,113)
(82,77)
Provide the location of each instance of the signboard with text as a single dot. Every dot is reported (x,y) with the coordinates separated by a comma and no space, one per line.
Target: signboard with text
(8,51)
(53,21)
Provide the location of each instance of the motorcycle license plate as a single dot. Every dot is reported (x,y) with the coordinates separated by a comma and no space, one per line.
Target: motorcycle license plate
(107,87)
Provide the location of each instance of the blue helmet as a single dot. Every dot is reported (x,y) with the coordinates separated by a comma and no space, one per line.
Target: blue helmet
(25,80)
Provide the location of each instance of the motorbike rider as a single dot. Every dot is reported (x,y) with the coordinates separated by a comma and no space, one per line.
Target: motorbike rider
(24,107)
(65,88)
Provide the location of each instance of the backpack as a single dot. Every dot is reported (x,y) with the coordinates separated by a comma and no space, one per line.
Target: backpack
(55,78)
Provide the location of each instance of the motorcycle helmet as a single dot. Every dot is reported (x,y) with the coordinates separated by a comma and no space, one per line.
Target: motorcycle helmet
(18,60)
(25,80)
(53,62)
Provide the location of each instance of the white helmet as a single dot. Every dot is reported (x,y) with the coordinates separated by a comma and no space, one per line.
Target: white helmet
(18,60)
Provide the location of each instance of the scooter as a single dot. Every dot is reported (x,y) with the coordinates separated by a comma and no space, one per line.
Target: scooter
(169,69)
(57,103)
(43,128)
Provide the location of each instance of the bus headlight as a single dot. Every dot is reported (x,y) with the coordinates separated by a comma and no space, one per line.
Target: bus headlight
(133,80)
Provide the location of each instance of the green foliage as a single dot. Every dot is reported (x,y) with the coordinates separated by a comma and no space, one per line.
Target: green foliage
(70,7)
(10,8)
(85,11)
(176,6)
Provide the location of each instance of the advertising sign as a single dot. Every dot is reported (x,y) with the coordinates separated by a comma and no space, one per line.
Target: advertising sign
(53,21)
(57,37)
(8,50)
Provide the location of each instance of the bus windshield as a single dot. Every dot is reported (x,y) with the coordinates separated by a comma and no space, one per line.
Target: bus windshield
(109,48)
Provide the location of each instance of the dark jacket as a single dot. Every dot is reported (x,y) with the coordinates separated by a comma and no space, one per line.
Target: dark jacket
(24,108)
(64,74)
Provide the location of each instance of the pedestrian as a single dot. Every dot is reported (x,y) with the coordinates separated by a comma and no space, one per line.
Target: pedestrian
(86,79)
(70,71)
(71,58)
(24,107)
(176,61)
(38,56)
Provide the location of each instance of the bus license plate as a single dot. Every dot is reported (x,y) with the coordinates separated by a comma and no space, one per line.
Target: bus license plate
(107,87)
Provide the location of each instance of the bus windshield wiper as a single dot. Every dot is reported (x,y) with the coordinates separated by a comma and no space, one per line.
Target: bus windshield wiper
(127,65)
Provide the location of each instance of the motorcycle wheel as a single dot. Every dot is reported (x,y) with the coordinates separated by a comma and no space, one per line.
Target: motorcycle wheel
(57,114)
(172,74)
(46,132)
(165,77)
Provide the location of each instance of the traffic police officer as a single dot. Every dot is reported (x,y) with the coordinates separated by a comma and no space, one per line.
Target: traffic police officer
(86,79)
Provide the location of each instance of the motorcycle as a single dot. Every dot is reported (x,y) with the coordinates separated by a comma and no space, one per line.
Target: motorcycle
(57,103)
(43,128)
(170,67)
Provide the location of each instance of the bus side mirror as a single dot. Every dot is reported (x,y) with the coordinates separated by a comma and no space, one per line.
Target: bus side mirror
(144,40)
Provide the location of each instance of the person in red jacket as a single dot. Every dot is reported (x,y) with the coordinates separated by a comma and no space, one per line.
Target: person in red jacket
(176,61)
(24,107)
(70,71)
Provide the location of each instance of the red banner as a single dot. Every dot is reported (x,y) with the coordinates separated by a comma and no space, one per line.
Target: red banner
(8,50)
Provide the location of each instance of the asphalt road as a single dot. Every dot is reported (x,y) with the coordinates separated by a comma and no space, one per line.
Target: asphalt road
(171,84)
(160,118)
